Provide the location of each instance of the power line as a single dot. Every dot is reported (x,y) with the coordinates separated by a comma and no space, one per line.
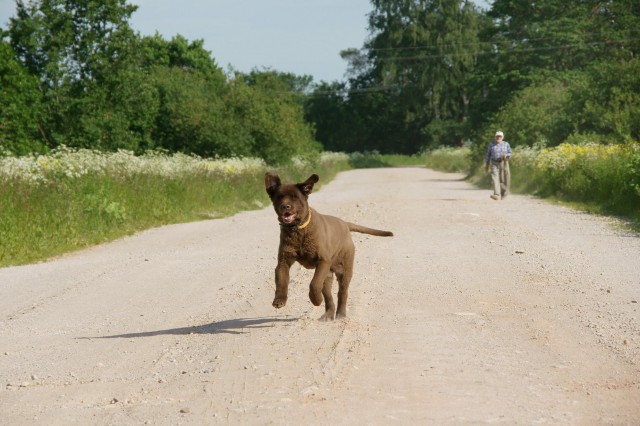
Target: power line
(506,51)
(349,92)
(390,88)
(489,44)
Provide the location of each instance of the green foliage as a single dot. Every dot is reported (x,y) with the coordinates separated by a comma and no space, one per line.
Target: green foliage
(532,44)
(327,110)
(408,85)
(443,132)
(535,116)
(600,178)
(634,172)
(20,105)
(425,52)
(399,160)
(81,54)
(598,175)
(273,119)
(77,75)
(448,159)
(77,198)
(608,100)
(431,73)
(602,100)
(367,160)
(193,116)
(120,113)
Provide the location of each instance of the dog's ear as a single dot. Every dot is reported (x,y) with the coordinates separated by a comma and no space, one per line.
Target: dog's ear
(271,183)
(307,186)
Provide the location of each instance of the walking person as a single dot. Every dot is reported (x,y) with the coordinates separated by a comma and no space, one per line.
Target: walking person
(498,156)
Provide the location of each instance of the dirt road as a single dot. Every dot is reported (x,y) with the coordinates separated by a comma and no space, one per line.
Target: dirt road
(476,311)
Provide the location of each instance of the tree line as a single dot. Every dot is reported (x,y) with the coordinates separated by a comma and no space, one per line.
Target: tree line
(431,73)
(439,73)
(74,73)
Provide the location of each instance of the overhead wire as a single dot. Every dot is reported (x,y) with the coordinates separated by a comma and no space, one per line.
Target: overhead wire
(481,43)
(510,50)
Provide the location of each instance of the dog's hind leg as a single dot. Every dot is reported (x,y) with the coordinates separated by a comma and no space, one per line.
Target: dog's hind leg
(344,278)
(329,305)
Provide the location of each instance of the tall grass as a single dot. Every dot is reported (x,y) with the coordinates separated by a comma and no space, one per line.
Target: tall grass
(373,159)
(448,159)
(604,177)
(72,199)
(595,177)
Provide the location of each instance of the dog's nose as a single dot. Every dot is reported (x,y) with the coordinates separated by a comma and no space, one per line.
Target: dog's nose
(284,206)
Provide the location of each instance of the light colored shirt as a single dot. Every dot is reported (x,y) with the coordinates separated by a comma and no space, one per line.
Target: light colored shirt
(496,150)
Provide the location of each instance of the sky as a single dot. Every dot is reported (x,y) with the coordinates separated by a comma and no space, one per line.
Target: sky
(303,37)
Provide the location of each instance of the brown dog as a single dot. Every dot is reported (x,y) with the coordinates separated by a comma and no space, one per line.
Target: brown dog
(314,240)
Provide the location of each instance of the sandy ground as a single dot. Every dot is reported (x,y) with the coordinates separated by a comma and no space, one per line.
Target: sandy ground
(477,311)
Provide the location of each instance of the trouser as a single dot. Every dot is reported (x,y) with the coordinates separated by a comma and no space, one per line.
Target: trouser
(500,177)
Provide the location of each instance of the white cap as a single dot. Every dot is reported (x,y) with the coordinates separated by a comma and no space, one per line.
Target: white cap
(499,134)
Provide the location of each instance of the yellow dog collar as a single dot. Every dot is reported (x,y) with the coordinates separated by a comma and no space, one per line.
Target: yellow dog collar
(306,223)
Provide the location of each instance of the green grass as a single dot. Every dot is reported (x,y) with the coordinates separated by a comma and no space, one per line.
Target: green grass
(59,214)
(38,222)
(447,159)
(72,200)
(374,159)
(403,160)
(599,179)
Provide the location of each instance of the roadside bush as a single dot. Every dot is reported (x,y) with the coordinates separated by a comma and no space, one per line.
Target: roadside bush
(193,117)
(607,102)
(20,105)
(367,160)
(604,175)
(526,177)
(603,178)
(535,116)
(449,159)
(74,198)
(274,122)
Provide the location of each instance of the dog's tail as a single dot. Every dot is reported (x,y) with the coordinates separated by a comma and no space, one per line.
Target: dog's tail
(364,230)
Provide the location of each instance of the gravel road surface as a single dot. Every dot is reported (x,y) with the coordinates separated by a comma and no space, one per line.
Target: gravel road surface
(476,312)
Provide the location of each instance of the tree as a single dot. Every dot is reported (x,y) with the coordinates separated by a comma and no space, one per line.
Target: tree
(84,56)
(326,109)
(412,82)
(606,101)
(422,53)
(273,117)
(20,105)
(536,115)
(193,116)
(527,43)
(180,53)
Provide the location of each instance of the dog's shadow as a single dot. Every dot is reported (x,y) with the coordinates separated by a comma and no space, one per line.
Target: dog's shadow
(234,326)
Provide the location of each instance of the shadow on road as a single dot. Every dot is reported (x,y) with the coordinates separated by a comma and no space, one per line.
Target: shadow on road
(446,179)
(234,326)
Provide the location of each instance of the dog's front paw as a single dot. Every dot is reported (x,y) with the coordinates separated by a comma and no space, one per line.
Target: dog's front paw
(279,302)
(328,316)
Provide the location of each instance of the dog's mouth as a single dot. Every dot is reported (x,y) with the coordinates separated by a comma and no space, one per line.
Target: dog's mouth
(288,217)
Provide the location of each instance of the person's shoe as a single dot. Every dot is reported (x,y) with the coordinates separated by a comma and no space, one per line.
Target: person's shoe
(495,197)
